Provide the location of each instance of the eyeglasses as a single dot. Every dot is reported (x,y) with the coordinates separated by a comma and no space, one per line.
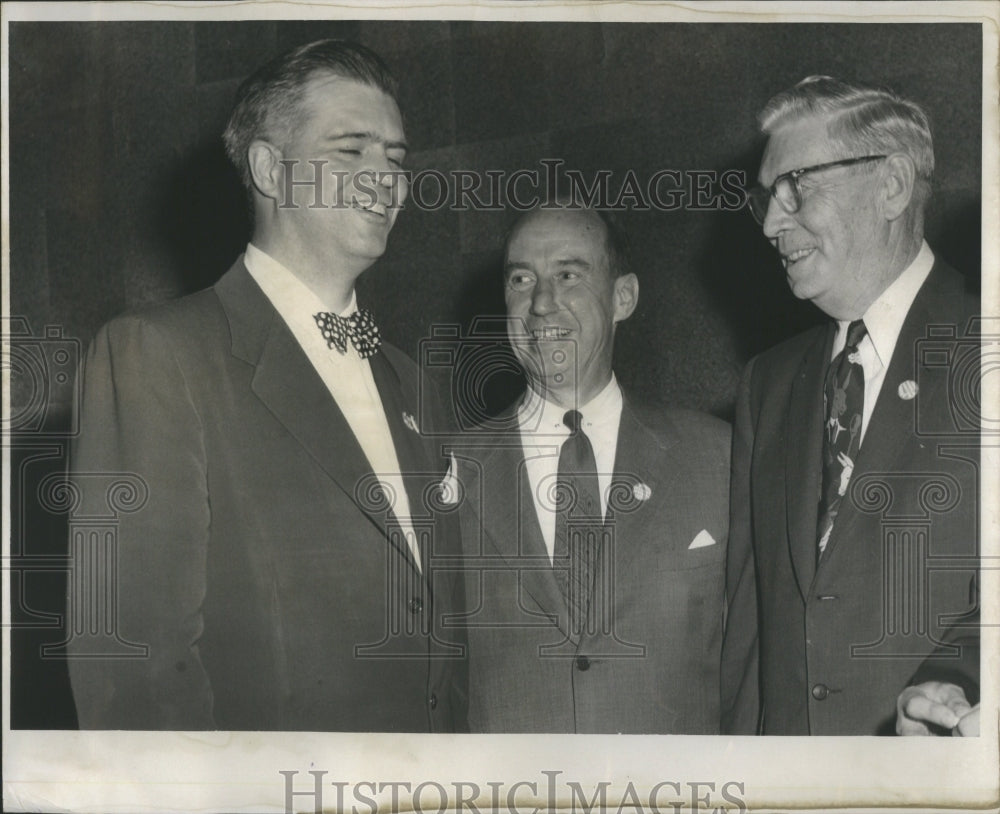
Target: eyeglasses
(786,187)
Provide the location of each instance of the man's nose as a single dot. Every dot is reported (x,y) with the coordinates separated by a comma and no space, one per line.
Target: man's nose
(543,299)
(388,180)
(776,219)
(397,184)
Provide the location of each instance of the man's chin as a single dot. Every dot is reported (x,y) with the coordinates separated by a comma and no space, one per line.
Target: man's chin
(801,286)
(557,385)
(370,251)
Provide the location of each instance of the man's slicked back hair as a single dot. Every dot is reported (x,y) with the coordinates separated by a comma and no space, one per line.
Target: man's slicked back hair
(268,103)
(864,120)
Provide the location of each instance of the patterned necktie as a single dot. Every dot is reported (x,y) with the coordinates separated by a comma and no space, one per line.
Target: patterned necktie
(844,396)
(578,520)
(359,327)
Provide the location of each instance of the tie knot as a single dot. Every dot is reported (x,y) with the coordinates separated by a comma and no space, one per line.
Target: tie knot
(856,331)
(573,420)
(359,327)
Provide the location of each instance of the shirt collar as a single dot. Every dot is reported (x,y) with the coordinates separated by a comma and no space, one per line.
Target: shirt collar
(288,293)
(884,317)
(540,415)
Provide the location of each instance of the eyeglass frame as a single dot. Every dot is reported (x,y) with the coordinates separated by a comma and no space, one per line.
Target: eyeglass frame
(754,194)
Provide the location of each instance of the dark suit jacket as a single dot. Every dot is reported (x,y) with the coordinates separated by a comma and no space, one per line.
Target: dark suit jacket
(260,573)
(650,664)
(838,642)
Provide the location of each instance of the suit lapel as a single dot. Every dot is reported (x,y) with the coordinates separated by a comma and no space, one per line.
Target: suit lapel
(639,460)
(517,536)
(804,457)
(415,465)
(892,427)
(289,386)
(511,529)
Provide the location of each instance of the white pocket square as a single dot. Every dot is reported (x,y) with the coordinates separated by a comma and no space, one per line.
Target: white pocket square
(702,539)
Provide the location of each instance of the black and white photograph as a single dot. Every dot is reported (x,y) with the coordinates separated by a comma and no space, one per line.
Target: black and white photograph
(501,407)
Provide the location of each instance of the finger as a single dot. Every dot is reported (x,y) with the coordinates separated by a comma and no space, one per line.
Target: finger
(905,725)
(968,727)
(909,728)
(922,708)
(954,698)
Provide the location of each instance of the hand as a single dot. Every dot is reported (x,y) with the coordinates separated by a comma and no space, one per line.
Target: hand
(933,702)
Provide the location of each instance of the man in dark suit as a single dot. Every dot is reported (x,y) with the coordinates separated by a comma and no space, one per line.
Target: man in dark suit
(594,529)
(277,568)
(855,456)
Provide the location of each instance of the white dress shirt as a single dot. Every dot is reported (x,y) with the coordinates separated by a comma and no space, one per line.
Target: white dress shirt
(542,437)
(884,320)
(347,376)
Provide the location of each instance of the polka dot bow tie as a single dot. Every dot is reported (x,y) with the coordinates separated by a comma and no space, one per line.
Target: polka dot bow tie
(359,327)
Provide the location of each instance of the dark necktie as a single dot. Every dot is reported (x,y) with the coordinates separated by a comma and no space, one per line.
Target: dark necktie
(578,520)
(844,396)
(359,327)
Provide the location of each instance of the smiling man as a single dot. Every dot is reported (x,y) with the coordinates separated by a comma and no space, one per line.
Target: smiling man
(279,572)
(851,469)
(594,527)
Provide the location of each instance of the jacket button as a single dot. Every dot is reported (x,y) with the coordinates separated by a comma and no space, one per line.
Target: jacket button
(582,663)
(416,605)
(433,701)
(820,692)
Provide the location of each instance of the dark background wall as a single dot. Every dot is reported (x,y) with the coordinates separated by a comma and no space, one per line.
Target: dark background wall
(121,195)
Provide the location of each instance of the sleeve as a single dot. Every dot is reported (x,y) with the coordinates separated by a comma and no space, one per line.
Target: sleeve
(139,566)
(740,682)
(961,669)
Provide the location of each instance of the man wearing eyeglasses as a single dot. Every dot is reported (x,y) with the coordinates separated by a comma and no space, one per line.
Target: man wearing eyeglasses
(854,477)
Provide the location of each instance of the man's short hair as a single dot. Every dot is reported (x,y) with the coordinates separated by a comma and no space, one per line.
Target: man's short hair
(616,242)
(865,121)
(268,103)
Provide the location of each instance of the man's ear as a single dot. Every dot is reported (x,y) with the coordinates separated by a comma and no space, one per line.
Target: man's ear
(899,176)
(266,170)
(626,296)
